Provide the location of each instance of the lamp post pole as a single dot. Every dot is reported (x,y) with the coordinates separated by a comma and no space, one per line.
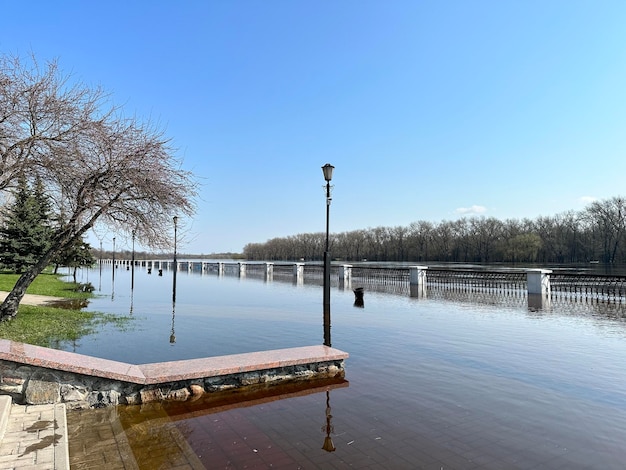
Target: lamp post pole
(113,275)
(101,258)
(328,176)
(175,261)
(132,268)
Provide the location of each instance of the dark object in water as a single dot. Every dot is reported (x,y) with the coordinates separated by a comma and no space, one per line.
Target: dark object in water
(149,270)
(160,272)
(359,292)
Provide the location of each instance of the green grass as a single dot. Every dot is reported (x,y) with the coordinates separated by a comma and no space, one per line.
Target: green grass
(50,326)
(45,284)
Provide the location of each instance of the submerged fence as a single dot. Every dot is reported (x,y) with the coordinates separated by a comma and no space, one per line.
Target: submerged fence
(418,280)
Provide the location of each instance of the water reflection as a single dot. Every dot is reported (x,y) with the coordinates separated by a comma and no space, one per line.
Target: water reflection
(173,333)
(359,293)
(217,430)
(328,428)
(132,296)
(538,302)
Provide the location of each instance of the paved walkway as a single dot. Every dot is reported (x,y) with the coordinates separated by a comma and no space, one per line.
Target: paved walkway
(34,437)
(33,299)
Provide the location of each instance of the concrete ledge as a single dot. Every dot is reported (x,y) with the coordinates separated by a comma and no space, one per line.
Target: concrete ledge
(37,375)
(238,363)
(69,362)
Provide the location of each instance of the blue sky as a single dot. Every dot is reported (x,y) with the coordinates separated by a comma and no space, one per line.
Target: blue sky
(428,110)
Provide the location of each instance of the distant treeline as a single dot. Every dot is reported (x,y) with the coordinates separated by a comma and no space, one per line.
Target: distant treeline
(596,233)
(143,255)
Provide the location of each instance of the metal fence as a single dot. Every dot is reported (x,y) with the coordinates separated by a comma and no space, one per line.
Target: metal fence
(396,279)
(586,286)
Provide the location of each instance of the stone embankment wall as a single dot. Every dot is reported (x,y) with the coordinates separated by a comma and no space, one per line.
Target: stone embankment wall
(34,375)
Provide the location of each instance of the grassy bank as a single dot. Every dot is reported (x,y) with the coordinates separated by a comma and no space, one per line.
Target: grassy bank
(45,284)
(52,326)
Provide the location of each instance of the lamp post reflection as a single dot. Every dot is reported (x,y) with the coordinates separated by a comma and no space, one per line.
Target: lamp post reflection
(328,428)
(173,333)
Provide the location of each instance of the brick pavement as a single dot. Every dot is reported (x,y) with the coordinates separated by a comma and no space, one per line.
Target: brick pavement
(35,438)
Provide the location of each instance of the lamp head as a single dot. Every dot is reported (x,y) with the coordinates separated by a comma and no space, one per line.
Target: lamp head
(328,171)
(328,445)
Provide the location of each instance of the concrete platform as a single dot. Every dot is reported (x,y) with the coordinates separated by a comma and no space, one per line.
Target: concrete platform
(91,382)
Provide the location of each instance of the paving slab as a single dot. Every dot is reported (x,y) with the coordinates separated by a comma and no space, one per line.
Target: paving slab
(35,438)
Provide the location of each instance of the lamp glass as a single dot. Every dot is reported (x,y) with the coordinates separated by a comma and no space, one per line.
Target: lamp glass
(328,171)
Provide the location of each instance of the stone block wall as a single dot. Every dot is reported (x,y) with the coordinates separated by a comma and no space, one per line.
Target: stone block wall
(30,383)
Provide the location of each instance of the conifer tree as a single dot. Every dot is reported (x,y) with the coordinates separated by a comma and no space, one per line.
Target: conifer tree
(25,230)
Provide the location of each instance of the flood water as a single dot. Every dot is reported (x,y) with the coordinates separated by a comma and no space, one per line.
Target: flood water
(453,381)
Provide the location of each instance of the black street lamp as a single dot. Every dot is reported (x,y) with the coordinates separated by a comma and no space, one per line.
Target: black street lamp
(175,262)
(328,175)
(132,269)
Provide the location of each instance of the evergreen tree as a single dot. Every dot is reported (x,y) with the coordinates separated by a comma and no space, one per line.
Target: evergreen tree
(25,231)
(74,256)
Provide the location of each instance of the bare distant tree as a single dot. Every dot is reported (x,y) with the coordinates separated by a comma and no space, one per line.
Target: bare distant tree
(96,166)
(608,217)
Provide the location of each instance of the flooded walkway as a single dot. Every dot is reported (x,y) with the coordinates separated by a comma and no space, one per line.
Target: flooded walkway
(206,434)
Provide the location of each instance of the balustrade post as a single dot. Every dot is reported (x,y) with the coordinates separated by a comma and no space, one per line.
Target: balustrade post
(538,281)
(345,276)
(417,281)
(538,286)
(298,273)
(220,268)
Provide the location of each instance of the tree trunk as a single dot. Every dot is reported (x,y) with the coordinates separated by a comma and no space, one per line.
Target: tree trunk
(9,307)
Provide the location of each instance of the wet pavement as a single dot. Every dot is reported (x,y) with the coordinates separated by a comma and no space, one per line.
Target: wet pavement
(35,437)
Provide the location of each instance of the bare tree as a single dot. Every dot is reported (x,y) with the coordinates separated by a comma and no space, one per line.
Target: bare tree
(97,167)
(38,108)
(609,218)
